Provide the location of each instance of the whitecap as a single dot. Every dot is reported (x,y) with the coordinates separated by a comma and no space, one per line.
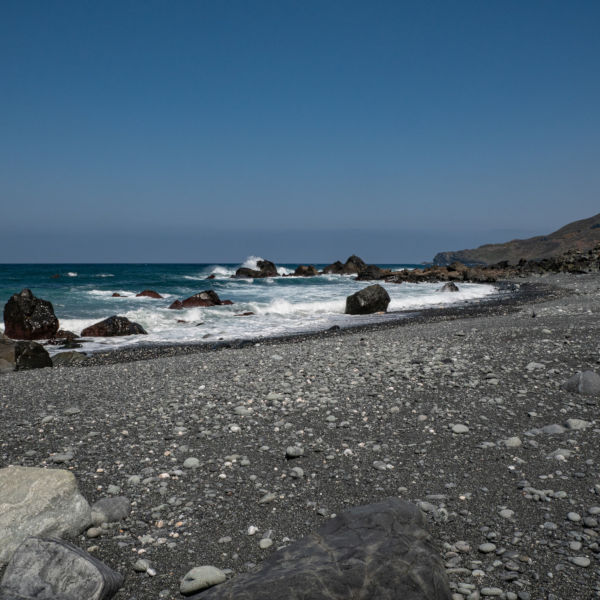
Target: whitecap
(71,274)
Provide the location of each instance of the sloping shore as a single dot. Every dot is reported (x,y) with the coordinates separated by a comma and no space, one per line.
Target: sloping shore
(427,410)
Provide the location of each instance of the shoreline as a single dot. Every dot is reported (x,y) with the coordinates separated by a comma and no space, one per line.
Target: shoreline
(508,297)
(462,413)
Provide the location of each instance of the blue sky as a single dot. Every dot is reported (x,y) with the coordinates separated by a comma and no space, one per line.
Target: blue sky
(204,131)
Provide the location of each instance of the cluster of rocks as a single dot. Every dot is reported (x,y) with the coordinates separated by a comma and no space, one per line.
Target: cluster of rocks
(343,559)
(206,298)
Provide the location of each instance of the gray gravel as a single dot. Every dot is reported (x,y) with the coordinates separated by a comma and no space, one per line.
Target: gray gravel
(465,416)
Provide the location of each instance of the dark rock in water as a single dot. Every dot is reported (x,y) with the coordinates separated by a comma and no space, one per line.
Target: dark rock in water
(244,314)
(113,326)
(55,276)
(31,355)
(148,294)
(68,358)
(61,337)
(29,318)
(116,295)
(211,276)
(370,272)
(51,569)
(306,271)
(375,552)
(449,287)
(265,269)
(334,328)
(587,383)
(368,300)
(206,298)
(226,302)
(353,266)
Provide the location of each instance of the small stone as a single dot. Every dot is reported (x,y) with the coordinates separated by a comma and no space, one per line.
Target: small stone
(491,591)
(200,578)
(513,442)
(487,547)
(577,424)
(459,428)
(573,516)
(191,463)
(141,565)
(506,513)
(580,561)
(265,543)
(293,452)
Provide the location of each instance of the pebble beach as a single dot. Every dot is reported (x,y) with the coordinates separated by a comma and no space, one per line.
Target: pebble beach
(227,455)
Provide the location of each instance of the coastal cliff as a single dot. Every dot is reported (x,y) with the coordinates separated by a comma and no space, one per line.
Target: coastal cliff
(579,235)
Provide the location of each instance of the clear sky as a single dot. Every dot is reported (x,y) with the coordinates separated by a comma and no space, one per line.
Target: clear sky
(303,130)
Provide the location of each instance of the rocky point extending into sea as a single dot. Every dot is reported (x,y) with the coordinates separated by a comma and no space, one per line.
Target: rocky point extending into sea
(469,436)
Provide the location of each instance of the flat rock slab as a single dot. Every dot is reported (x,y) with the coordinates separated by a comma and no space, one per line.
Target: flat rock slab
(38,502)
(375,552)
(51,569)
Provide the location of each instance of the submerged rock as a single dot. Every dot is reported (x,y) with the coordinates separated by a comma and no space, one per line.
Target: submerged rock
(38,502)
(450,286)
(148,294)
(368,300)
(51,569)
(113,326)
(29,318)
(380,551)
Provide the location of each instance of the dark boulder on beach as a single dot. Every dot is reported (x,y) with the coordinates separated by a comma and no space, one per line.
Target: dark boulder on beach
(148,294)
(353,266)
(265,269)
(371,299)
(29,318)
(31,355)
(62,337)
(306,271)
(205,298)
(379,551)
(113,326)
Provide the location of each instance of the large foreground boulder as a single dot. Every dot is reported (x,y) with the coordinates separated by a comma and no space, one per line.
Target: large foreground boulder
(265,269)
(113,326)
(375,552)
(38,502)
(371,299)
(206,298)
(51,569)
(29,318)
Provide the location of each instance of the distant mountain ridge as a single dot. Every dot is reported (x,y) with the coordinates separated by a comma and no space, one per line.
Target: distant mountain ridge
(579,235)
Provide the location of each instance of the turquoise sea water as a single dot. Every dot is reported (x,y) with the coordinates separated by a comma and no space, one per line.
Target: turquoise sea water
(82,295)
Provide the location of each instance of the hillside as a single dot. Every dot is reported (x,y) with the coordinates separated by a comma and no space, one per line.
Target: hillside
(580,235)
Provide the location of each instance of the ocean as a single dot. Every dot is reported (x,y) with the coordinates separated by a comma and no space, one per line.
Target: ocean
(82,295)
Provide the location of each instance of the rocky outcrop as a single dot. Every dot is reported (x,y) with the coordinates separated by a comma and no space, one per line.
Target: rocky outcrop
(113,326)
(380,551)
(38,502)
(51,569)
(206,298)
(577,236)
(265,269)
(306,271)
(352,266)
(372,272)
(29,318)
(148,294)
(371,299)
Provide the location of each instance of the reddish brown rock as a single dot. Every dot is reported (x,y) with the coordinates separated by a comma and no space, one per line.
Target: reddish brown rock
(206,298)
(113,326)
(116,295)
(211,276)
(148,294)
(29,318)
(265,269)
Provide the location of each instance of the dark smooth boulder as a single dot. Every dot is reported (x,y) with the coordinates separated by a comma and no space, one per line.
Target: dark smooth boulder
(51,569)
(371,299)
(449,287)
(206,298)
(265,269)
(113,326)
(336,268)
(148,294)
(116,295)
(31,355)
(29,318)
(376,552)
(306,271)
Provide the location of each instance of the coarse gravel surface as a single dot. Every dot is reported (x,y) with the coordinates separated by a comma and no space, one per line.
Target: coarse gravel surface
(463,413)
